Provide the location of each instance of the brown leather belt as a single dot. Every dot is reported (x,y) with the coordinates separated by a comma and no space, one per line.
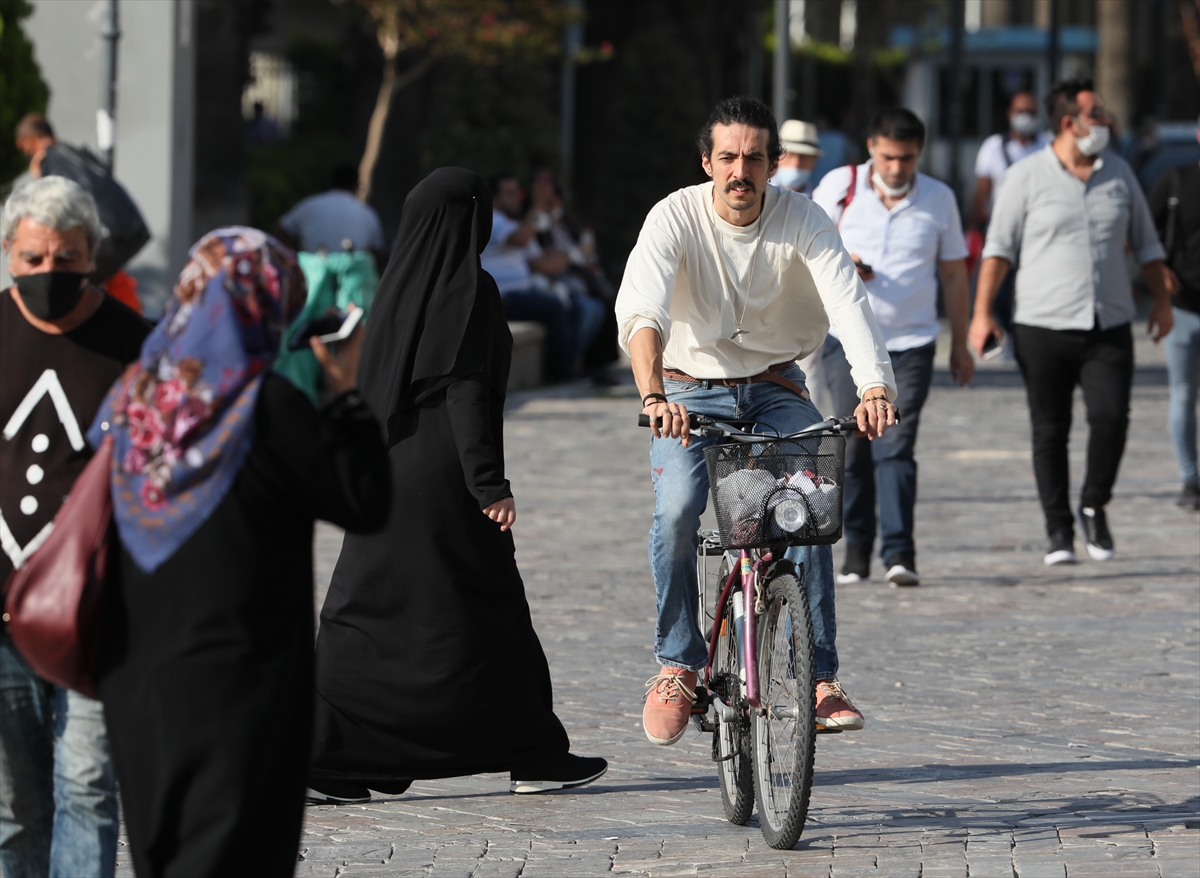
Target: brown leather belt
(772,375)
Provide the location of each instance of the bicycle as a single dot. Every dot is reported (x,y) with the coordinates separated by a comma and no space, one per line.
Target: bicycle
(757,695)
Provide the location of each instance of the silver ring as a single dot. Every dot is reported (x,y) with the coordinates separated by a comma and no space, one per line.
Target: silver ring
(882,405)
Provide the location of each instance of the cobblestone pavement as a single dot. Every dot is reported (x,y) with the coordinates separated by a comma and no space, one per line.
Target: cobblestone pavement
(1021,721)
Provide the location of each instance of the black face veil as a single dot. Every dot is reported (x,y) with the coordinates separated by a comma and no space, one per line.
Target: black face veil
(436,315)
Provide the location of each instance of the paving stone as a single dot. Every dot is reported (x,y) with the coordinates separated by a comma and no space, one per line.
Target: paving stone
(1021,721)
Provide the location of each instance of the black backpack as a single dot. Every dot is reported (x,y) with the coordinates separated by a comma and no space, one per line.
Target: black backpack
(125,231)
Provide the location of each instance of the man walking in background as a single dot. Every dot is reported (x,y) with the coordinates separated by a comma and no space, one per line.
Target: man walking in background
(903,231)
(1175,204)
(1000,151)
(1068,213)
(801,149)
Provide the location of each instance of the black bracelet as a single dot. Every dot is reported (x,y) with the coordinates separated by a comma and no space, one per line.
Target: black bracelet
(661,397)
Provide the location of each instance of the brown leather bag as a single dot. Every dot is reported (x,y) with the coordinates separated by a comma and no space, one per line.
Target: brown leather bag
(54,604)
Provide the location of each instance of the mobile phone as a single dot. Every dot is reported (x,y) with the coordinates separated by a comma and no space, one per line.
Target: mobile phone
(993,347)
(332,326)
(866,269)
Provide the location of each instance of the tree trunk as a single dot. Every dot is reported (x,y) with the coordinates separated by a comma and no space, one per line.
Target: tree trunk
(1112,61)
(388,86)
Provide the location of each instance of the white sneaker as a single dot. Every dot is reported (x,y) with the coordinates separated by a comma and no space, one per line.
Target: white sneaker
(1061,556)
(902,570)
(849,578)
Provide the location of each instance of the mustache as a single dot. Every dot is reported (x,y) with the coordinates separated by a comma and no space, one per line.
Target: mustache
(749,184)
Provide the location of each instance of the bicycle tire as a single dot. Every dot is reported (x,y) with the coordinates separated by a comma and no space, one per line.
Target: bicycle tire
(784,735)
(731,742)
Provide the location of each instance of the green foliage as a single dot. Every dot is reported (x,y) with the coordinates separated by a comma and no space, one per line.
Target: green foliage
(280,174)
(495,119)
(21,87)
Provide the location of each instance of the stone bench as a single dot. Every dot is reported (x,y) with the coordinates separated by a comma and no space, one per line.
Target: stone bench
(529,341)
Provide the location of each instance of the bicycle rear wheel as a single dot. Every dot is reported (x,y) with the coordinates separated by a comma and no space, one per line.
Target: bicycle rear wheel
(784,736)
(731,740)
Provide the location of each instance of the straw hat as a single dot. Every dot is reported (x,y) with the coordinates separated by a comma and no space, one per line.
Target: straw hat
(799,137)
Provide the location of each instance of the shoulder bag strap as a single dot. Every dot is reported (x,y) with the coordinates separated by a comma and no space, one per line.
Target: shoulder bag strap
(849,196)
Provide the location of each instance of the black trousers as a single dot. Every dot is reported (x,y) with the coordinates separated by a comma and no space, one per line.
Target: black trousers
(1053,362)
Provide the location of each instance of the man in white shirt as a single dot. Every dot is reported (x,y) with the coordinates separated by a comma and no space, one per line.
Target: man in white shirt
(512,257)
(998,153)
(729,284)
(333,218)
(903,230)
(801,149)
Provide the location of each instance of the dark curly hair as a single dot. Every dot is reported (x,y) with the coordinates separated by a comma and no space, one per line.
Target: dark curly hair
(741,111)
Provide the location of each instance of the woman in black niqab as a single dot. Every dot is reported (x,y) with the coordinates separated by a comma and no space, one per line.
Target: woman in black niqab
(427,662)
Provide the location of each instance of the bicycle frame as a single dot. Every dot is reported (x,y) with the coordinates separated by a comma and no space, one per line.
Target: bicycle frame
(744,574)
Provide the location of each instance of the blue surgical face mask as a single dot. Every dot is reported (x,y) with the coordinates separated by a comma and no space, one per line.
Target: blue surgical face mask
(792,178)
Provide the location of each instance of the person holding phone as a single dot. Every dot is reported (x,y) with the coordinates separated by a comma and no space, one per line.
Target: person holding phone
(220,466)
(904,234)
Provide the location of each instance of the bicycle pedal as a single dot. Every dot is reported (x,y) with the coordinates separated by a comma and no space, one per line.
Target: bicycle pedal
(703,701)
(821,730)
(703,724)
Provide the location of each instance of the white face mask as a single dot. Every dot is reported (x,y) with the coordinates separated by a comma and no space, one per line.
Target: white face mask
(792,178)
(1094,141)
(1024,124)
(888,190)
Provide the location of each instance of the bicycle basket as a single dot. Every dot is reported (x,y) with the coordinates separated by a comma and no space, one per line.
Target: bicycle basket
(779,491)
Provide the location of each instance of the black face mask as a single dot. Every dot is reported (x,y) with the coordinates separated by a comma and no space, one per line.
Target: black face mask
(51,294)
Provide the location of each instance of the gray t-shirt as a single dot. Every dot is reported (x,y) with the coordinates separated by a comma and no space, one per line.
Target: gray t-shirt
(1071,238)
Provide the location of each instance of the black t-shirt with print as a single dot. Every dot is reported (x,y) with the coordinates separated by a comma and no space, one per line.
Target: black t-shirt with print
(50,389)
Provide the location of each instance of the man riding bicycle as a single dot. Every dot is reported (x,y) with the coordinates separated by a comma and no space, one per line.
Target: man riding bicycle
(729,284)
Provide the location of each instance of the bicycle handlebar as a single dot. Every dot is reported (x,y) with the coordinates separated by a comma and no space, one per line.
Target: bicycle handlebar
(702,425)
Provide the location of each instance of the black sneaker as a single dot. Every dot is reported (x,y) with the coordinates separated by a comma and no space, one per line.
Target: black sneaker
(902,570)
(1061,550)
(563,773)
(857,567)
(1189,497)
(1096,535)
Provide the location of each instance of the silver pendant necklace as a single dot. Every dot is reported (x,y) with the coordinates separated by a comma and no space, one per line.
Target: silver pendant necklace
(738,332)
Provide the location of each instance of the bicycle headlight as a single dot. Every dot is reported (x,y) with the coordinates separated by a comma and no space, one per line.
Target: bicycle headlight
(790,515)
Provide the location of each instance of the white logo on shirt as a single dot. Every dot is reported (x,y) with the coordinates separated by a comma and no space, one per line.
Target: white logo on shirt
(48,383)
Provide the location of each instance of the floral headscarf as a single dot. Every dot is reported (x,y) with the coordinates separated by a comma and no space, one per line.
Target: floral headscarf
(182,417)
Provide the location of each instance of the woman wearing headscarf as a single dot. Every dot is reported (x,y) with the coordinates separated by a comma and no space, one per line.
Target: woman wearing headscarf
(427,662)
(219,468)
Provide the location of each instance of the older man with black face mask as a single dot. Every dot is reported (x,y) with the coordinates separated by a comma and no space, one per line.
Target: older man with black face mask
(63,343)
(1069,212)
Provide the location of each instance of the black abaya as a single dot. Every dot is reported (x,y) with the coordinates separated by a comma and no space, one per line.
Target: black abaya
(427,661)
(207,669)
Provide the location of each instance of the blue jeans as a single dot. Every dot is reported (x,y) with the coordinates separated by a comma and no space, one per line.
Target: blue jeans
(58,792)
(588,314)
(680,497)
(548,310)
(1183,372)
(883,471)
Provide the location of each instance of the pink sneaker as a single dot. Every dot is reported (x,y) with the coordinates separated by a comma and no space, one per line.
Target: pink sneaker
(668,704)
(835,710)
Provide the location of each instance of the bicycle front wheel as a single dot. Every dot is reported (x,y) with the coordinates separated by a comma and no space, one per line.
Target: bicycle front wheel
(784,732)
(731,740)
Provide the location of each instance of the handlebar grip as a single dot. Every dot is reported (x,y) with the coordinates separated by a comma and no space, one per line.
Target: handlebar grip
(694,421)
